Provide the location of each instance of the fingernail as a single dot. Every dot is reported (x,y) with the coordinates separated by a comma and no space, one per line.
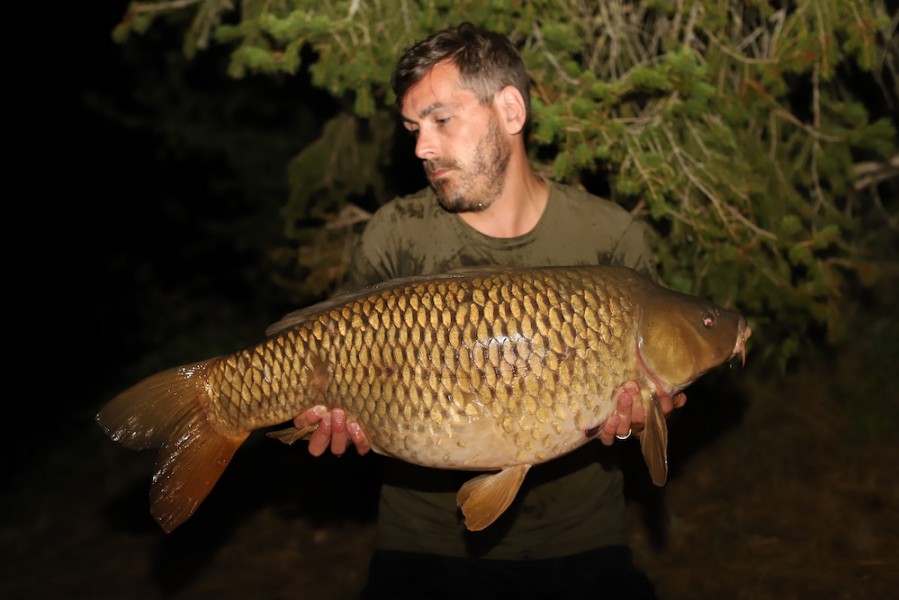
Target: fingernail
(319,411)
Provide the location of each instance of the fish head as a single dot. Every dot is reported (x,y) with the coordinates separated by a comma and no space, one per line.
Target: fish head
(681,337)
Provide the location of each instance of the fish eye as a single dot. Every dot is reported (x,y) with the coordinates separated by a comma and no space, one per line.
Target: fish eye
(708,321)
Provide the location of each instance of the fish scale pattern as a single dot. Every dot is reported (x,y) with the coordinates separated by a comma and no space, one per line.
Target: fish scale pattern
(535,354)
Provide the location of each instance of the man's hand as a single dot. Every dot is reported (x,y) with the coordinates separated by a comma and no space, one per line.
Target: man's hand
(333,431)
(629,417)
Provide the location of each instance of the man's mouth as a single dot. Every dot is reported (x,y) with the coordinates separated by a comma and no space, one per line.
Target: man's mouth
(436,171)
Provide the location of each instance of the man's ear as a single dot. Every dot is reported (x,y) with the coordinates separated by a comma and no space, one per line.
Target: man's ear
(510,104)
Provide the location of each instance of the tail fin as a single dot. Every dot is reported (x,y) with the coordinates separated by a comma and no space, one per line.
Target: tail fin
(654,440)
(167,411)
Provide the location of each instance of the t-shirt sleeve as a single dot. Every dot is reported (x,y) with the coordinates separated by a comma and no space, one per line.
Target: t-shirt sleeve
(370,262)
(635,251)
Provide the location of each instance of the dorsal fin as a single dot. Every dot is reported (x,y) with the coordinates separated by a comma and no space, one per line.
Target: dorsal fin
(302,315)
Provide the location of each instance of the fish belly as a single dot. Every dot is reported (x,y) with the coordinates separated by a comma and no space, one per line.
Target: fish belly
(481,444)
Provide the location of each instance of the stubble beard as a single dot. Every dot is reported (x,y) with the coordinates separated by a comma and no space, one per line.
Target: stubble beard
(477,188)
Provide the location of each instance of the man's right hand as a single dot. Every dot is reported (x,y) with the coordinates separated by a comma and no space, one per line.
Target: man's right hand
(333,431)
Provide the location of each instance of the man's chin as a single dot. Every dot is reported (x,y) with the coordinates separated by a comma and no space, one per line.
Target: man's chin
(451,203)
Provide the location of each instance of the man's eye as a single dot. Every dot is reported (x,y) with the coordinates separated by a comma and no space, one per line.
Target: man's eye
(442,120)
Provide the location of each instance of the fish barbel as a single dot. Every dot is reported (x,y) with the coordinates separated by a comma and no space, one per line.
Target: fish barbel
(492,370)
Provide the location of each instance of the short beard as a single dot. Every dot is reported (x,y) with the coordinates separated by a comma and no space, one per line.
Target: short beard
(491,160)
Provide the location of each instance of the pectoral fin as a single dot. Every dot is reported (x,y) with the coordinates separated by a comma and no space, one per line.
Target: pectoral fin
(315,377)
(484,498)
(290,435)
(654,441)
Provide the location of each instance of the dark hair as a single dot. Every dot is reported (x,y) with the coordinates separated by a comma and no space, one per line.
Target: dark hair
(487,62)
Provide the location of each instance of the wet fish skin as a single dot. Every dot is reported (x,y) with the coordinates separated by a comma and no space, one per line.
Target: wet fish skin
(487,370)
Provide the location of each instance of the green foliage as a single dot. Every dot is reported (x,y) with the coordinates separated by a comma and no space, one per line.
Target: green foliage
(735,128)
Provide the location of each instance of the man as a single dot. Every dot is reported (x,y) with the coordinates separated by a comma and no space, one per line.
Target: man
(463,93)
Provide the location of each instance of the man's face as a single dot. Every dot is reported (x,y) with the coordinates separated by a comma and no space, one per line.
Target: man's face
(460,140)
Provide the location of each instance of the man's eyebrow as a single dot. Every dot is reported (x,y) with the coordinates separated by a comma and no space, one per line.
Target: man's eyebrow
(426,111)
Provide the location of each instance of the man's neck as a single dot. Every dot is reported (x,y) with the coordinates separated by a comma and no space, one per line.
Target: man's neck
(517,211)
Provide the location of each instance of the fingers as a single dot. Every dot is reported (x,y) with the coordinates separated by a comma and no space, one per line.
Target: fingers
(668,403)
(358,438)
(607,433)
(620,423)
(638,415)
(310,417)
(338,432)
(332,432)
(629,418)
(321,437)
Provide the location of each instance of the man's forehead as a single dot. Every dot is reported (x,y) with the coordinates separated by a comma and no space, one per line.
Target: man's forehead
(439,88)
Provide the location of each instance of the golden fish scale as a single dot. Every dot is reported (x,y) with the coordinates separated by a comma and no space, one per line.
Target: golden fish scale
(533,357)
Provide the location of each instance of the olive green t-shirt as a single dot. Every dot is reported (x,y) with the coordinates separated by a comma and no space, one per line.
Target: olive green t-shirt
(568,505)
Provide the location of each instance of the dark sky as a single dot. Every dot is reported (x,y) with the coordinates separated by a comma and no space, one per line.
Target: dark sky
(91,233)
(72,162)
(124,244)
(67,164)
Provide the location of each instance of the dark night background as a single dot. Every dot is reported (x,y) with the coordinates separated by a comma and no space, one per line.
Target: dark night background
(134,248)
(146,231)
(138,228)
(120,228)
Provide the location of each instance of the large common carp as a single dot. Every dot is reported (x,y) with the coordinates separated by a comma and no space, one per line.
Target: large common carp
(492,370)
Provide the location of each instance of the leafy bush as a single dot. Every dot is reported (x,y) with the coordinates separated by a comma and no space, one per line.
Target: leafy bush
(752,136)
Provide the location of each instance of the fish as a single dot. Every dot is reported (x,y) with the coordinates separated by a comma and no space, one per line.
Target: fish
(491,370)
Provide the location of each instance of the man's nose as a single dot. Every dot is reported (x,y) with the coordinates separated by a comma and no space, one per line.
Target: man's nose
(424,146)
